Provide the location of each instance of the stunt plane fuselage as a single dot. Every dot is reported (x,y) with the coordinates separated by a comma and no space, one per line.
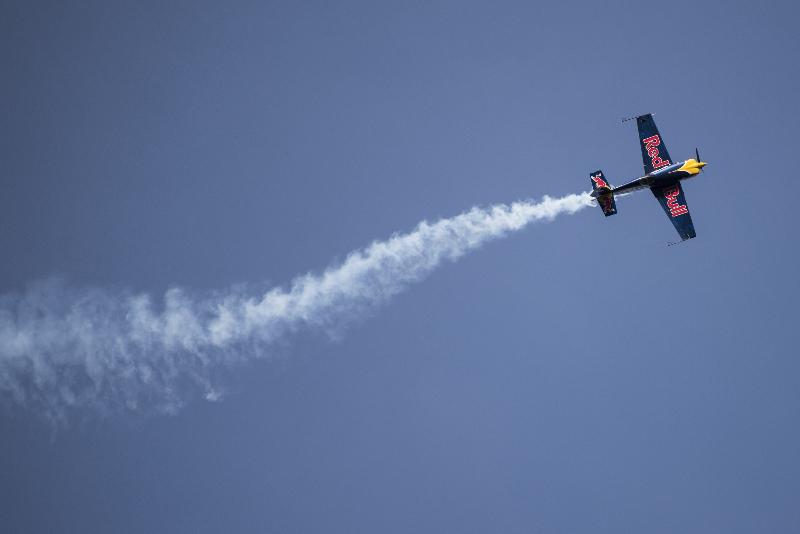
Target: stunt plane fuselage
(659,178)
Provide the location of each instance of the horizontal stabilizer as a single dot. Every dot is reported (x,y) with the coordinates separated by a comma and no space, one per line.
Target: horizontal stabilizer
(601,190)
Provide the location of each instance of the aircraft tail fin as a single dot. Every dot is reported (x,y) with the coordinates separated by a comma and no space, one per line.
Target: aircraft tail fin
(601,190)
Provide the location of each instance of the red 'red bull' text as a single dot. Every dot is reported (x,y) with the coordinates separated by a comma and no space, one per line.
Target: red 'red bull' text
(651,147)
(675,209)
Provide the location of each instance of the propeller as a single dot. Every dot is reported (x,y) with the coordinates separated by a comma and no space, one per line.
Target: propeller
(697,157)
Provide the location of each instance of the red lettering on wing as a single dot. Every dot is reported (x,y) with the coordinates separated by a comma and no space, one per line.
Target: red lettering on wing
(653,140)
(675,209)
(650,145)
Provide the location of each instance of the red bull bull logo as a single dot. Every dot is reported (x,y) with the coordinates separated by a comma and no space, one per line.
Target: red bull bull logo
(651,147)
(675,209)
(599,182)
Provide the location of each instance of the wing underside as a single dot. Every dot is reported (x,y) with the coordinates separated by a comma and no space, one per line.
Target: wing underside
(673,201)
(654,152)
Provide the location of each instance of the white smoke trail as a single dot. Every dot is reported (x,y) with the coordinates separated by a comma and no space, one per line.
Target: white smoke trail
(66,350)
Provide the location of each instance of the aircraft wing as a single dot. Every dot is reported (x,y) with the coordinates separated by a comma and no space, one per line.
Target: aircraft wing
(673,201)
(654,151)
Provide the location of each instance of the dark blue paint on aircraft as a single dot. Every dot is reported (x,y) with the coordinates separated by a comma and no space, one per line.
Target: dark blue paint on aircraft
(661,176)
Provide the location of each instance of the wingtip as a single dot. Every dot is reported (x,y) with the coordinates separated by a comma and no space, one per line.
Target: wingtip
(671,243)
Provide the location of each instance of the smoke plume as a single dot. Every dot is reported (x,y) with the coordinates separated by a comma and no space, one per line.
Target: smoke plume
(66,350)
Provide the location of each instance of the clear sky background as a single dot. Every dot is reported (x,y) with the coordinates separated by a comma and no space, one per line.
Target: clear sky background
(579,376)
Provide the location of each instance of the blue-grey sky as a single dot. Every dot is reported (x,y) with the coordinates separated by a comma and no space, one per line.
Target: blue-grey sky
(578,376)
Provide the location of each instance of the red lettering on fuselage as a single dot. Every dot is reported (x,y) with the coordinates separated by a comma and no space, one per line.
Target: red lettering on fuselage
(651,147)
(675,209)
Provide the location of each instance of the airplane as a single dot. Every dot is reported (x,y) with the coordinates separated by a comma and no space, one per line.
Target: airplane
(661,176)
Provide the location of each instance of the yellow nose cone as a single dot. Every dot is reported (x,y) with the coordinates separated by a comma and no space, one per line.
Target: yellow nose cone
(692,167)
